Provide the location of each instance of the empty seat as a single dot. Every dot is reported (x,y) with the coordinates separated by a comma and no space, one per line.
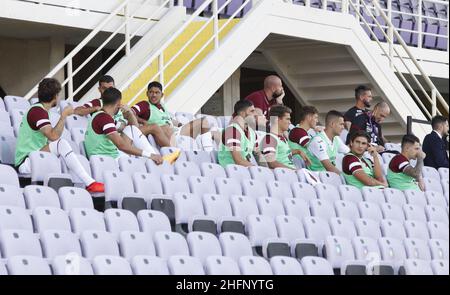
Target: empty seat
(435,198)
(174,184)
(430,172)
(296,207)
(436,213)
(7,156)
(373,195)
(151,221)
(285,175)
(135,243)
(251,265)
(164,168)
(342,227)
(439,249)
(414,197)
(149,265)
(118,220)
(28,265)
(19,242)
(117,185)
(72,197)
(327,192)
(392,228)
(59,243)
(301,190)
(279,190)
(270,207)
(202,245)
(41,196)
(228,186)
(169,244)
(433,184)
(416,229)
(235,245)
(443,172)
(185,265)
(96,243)
(330,178)
(43,164)
(254,188)
(366,249)
(15,218)
(15,102)
(338,251)
(147,185)
(414,212)
(316,229)
(198,157)
(9,176)
(83,219)
(392,250)
(440,267)
(131,165)
(71,265)
(346,209)
(11,195)
(417,249)
(394,196)
(187,169)
(392,211)
(316,266)
(201,185)
(350,193)
(243,206)
(100,164)
(368,228)
(369,210)
(262,229)
(237,172)
(322,209)
(220,265)
(285,266)
(417,267)
(111,265)
(76,121)
(262,174)
(78,134)
(212,170)
(438,230)
(49,218)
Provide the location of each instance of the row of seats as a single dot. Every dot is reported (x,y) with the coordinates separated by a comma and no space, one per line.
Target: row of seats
(340,253)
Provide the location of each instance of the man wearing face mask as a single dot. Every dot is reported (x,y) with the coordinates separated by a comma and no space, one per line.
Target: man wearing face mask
(363,96)
(435,145)
(272,94)
(370,122)
(239,139)
(37,134)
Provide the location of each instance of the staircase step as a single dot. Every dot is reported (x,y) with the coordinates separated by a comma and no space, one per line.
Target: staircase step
(326,65)
(331,79)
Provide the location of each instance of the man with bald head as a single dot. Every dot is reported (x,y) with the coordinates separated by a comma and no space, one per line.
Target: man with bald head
(370,123)
(272,94)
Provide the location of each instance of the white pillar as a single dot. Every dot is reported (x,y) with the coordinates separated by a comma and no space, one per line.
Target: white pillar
(231,92)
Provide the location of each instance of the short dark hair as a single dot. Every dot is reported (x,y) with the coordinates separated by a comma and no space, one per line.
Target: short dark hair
(155,84)
(332,115)
(360,133)
(242,105)
(307,110)
(409,139)
(438,120)
(106,79)
(279,111)
(360,90)
(48,89)
(111,96)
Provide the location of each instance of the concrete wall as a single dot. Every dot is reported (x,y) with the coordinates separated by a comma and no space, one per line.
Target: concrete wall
(24,62)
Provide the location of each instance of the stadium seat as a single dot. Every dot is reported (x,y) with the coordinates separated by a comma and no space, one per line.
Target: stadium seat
(15,218)
(285,266)
(164,168)
(368,228)
(185,265)
(221,265)
(235,245)
(50,218)
(202,245)
(107,265)
(417,249)
(147,185)
(71,265)
(43,164)
(7,149)
(338,250)
(118,220)
(219,208)
(439,248)
(28,265)
(131,165)
(100,164)
(285,175)
(96,243)
(262,174)
(443,172)
(414,212)
(198,157)
(373,195)
(189,212)
(296,207)
(83,219)
(440,267)
(342,227)
(317,230)
(331,178)
(40,196)
(433,184)
(327,192)
(201,185)
(261,228)
(59,243)
(243,206)
(391,228)
(436,213)
(416,267)
(270,207)
(435,198)
(11,195)
(169,244)
(75,121)
(228,186)
(416,230)
(322,209)
(19,242)
(438,230)
(174,184)
(394,196)
(72,197)
(135,243)
(151,221)
(369,210)
(187,169)
(416,198)
(212,170)
(279,190)
(237,172)
(78,134)
(149,265)
(316,266)
(366,249)
(350,193)
(254,188)
(117,185)
(15,102)
(347,210)
(392,211)
(392,251)
(430,172)
(255,266)
(305,191)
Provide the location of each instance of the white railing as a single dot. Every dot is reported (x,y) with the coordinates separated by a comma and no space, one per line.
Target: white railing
(369,13)
(214,40)
(127,19)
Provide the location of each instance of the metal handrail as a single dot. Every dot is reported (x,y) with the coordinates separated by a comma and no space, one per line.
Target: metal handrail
(159,54)
(122,10)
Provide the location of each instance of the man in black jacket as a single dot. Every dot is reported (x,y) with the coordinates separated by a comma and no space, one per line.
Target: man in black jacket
(435,144)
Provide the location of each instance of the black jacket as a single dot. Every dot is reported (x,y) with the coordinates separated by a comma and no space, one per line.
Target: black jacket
(436,150)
